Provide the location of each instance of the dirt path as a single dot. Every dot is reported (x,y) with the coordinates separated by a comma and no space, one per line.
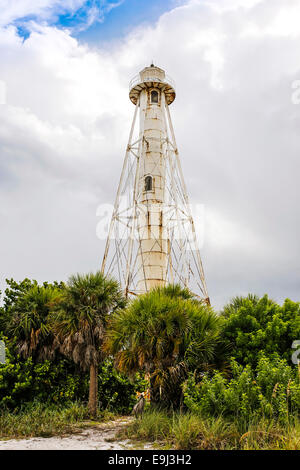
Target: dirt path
(100,437)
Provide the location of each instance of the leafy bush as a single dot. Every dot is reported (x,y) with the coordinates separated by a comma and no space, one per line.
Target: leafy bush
(60,381)
(30,374)
(116,392)
(272,390)
(252,325)
(23,381)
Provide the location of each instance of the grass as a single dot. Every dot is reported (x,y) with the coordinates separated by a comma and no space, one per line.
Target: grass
(45,421)
(190,431)
(165,430)
(154,425)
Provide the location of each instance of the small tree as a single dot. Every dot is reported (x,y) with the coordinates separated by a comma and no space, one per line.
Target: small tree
(164,333)
(26,321)
(79,320)
(252,325)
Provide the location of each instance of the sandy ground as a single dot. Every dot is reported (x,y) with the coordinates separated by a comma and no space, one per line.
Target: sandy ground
(100,437)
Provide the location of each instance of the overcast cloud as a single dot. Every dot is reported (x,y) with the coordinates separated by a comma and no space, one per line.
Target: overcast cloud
(66,116)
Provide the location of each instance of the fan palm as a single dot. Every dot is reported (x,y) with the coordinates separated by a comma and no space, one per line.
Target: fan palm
(164,333)
(237,302)
(28,323)
(79,321)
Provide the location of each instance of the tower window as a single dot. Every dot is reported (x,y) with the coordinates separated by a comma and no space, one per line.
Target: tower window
(148,183)
(154,96)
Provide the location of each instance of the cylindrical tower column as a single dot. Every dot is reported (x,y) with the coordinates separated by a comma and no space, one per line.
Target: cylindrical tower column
(153,90)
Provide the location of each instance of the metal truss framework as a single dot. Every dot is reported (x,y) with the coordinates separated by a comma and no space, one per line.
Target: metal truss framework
(123,247)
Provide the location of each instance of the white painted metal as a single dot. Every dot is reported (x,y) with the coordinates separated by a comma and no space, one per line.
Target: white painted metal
(137,80)
(152,238)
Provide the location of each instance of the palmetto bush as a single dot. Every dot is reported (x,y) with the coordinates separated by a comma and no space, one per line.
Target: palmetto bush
(28,323)
(164,333)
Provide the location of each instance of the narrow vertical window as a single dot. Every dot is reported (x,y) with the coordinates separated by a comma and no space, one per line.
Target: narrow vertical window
(154,96)
(148,183)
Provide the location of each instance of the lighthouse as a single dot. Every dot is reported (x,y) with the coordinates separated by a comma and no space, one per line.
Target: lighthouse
(152,239)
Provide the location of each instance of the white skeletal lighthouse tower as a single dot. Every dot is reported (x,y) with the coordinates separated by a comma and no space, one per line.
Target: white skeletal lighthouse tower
(152,239)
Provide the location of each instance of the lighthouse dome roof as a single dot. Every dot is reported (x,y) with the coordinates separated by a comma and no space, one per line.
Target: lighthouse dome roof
(152,77)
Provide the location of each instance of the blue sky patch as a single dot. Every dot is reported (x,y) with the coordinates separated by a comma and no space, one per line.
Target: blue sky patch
(100,20)
(121,20)
(22,29)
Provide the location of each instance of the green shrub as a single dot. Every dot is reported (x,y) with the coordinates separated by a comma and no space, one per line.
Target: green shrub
(116,392)
(272,390)
(23,381)
(252,325)
(60,381)
(28,378)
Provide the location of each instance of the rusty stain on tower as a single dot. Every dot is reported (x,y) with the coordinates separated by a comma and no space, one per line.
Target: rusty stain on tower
(152,238)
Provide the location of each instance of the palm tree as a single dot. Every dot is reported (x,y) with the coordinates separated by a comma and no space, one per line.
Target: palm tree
(28,322)
(164,333)
(175,291)
(237,302)
(79,320)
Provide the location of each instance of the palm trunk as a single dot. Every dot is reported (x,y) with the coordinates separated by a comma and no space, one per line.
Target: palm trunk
(154,392)
(93,392)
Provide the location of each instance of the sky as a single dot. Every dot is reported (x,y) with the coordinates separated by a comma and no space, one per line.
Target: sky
(65,118)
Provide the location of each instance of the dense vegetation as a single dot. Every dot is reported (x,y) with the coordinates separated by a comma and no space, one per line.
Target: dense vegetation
(228,375)
(38,366)
(60,382)
(271,390)
(166,334)
(253,325)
